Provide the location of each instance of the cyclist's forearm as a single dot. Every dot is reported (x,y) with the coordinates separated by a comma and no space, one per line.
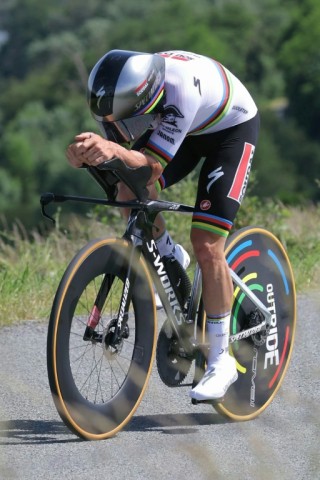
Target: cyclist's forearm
(134,158)
(92,149)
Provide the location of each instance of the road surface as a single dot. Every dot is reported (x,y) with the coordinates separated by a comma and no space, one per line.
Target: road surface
(168,438)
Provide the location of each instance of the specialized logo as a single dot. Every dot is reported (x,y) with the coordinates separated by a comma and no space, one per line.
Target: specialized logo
(240,182)
(100,94)
(205,205)
(196,83)
(214,176)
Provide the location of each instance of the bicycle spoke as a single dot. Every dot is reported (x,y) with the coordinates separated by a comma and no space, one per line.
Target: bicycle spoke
(97,376)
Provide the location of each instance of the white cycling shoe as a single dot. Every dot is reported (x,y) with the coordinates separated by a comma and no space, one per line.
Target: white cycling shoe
(216,380)
(181,255)
(183,258)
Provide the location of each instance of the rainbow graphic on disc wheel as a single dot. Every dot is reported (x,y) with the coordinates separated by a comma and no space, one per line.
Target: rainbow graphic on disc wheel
(261,262)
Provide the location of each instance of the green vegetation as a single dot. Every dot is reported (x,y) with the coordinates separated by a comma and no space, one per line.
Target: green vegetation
(31,266)
(48,48)
(46,51)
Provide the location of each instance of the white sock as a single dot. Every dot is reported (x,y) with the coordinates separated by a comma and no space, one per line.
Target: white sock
(165,244)
(218,336)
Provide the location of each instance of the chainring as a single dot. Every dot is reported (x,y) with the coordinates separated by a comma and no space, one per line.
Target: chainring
(172,363)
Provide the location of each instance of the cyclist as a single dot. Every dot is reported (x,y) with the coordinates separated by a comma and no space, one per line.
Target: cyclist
(171,110)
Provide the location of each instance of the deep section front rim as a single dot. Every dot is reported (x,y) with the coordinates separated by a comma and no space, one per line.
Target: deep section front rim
(97,389)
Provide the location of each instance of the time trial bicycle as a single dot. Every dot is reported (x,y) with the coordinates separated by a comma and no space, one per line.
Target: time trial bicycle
(103,336)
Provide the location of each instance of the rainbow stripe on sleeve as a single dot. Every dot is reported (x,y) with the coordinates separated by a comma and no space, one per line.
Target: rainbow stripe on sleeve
(223,106)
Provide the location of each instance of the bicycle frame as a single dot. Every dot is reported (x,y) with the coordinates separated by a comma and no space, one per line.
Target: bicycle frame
(139,233)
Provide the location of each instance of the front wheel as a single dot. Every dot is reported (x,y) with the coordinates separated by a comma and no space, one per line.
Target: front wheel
(96,382)
(260,260)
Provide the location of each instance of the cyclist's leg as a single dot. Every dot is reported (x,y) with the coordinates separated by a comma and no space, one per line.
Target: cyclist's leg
(217,291)
(166,245)
(125,194)
(209,251)
(185,160)
(222,184)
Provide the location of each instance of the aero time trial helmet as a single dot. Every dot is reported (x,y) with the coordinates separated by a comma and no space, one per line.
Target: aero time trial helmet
(126,92)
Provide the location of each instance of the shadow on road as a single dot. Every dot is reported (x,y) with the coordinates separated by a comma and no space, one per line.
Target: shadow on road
(174,424)
(24,432)
(34,431)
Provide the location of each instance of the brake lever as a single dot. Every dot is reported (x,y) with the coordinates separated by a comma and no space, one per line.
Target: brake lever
(47,198)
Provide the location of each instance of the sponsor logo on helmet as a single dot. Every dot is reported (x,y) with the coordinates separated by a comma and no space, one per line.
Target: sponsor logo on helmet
(205,204)
(184,56)
(146,99)
(139,91)
(100,94)
(106,95)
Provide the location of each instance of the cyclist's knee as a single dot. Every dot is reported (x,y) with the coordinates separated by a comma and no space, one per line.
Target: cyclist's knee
(124,193)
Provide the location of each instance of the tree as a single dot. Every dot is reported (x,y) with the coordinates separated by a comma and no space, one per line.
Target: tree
(300,58)
(48,48)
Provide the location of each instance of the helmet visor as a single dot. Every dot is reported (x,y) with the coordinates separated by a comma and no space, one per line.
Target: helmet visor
(130,129)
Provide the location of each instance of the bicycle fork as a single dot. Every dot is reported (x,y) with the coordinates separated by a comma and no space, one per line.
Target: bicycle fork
(96,311)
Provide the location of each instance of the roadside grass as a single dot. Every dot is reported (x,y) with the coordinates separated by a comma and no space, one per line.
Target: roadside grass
(298,230)
(32,264)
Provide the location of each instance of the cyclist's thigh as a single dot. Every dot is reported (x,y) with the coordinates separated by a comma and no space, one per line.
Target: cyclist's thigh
(224,176)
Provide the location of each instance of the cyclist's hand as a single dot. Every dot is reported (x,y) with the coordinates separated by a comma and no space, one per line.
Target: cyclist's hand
(90,149)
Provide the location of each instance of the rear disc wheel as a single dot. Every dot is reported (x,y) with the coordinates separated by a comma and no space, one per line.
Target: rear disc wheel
(260,260)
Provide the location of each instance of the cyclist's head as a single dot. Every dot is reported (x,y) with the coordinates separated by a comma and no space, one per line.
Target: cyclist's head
(126,93)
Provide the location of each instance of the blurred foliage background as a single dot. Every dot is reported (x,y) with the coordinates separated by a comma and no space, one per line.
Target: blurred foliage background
(47,49)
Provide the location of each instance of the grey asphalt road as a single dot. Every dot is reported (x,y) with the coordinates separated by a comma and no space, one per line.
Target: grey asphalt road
(168,438)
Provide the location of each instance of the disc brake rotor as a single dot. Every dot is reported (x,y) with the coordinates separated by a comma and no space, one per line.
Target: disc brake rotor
(113,348)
